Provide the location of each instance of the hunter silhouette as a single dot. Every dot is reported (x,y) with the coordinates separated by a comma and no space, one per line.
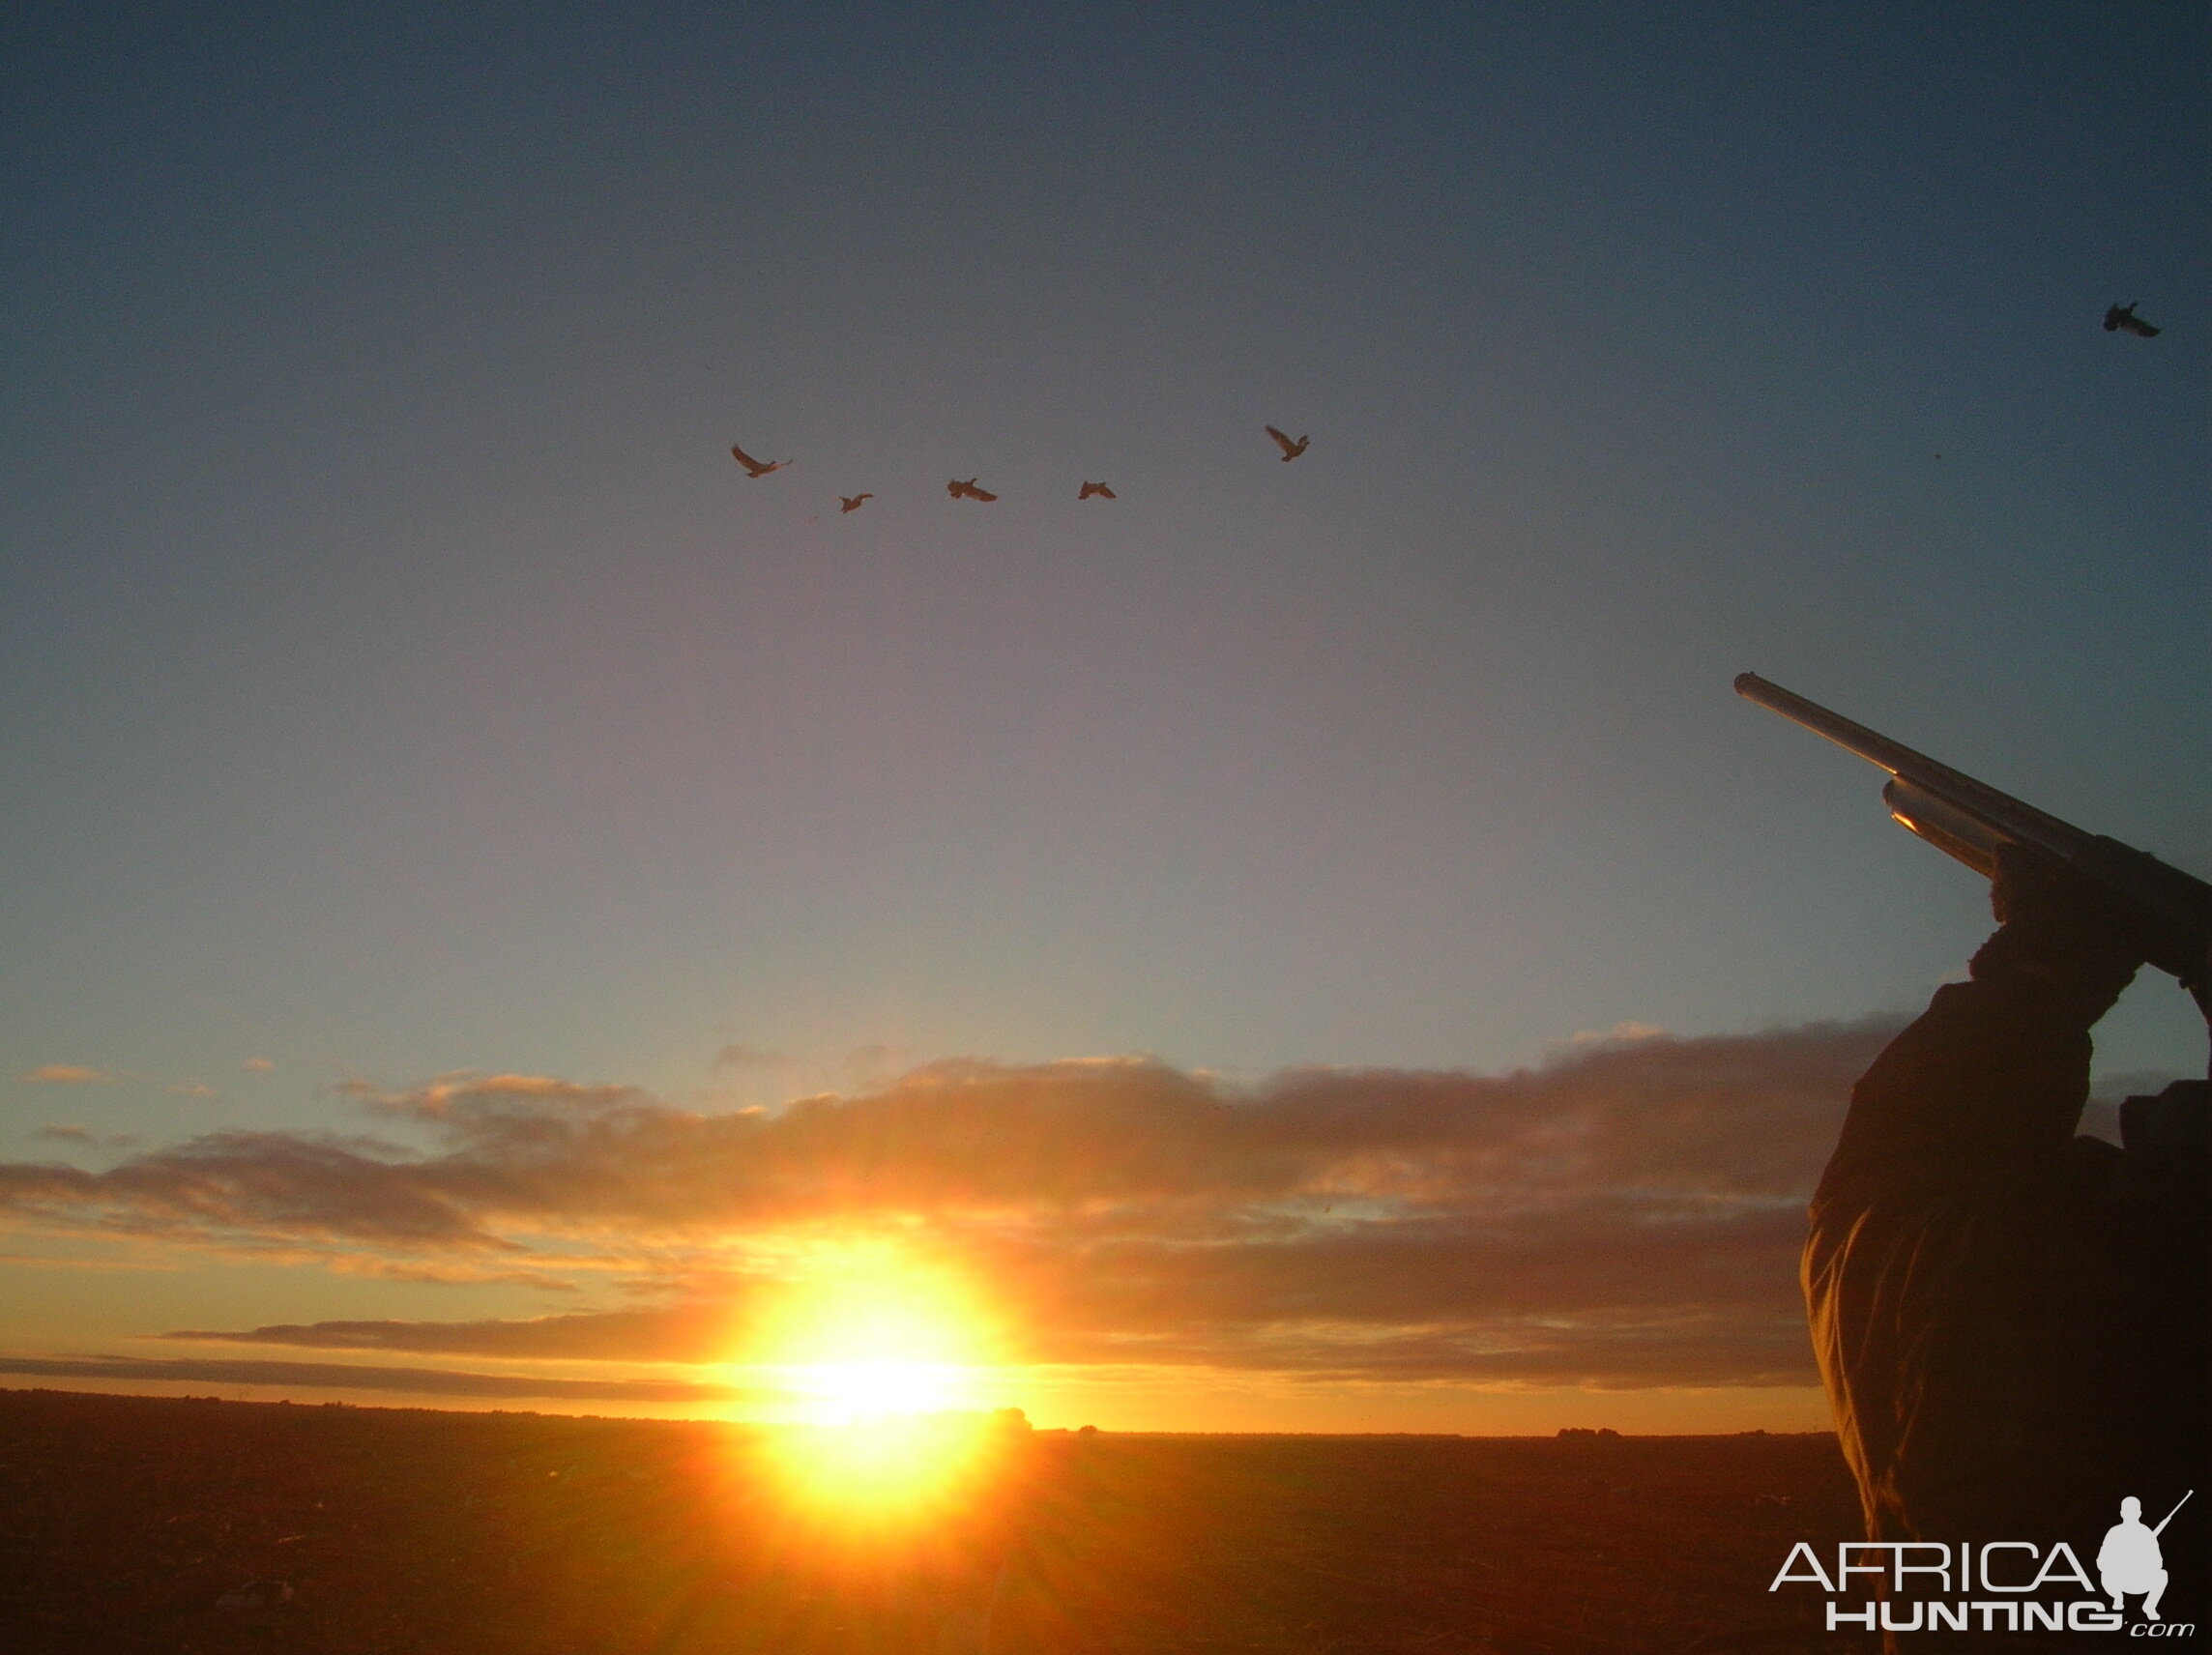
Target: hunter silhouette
(2011,1321)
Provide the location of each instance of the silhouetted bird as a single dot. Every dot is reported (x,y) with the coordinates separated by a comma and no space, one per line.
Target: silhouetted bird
(2120,316)
(968,490)
(1091,489)
(853,501)
(1290,449)
(753,467)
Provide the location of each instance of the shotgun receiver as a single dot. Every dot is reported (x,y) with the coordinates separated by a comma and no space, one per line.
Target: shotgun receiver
(1969,819)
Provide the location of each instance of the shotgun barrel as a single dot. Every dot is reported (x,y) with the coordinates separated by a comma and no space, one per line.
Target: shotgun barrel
(1970,820)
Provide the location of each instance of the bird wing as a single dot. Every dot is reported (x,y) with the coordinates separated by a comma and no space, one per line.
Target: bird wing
(982,494)
(1288,448)
(1107,493)
(2141,329)
(746,460)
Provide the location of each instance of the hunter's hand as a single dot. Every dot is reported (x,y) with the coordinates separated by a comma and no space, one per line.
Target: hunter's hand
(2059,930)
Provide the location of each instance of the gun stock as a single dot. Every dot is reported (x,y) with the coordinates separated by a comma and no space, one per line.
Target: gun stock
(1970,820)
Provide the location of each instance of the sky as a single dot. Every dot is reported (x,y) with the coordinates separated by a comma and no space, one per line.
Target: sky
(499,904)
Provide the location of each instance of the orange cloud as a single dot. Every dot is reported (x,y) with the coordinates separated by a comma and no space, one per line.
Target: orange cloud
(1627,1212)
(67,1074)
(699,1331)
(356,1376)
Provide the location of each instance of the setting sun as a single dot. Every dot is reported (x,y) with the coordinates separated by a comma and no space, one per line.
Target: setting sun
(873,1336)
(866,1390)
(880,1362)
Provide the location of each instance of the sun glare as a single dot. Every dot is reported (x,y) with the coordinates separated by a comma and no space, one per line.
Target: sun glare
(881,1362)
(869,1336)
(866,1390)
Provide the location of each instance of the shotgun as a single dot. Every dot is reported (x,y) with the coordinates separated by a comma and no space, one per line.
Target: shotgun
(1969,819)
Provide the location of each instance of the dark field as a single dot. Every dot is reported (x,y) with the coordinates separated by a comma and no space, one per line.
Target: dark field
(131,1523)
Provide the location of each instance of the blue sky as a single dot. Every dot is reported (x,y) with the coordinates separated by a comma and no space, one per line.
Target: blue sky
(401,679)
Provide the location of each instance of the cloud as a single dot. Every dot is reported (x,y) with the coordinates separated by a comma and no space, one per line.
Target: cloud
(68,1074)
(694,1332)
(258,1066)
(1627,1212)
(1611,1305)
(272,1186)
(343,1376)
(99,1265)
(449,1271)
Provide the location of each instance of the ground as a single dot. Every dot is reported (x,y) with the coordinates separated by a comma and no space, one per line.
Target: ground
(140,1524)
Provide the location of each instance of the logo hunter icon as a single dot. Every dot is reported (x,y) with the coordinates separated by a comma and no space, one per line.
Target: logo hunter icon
(2130,1559)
